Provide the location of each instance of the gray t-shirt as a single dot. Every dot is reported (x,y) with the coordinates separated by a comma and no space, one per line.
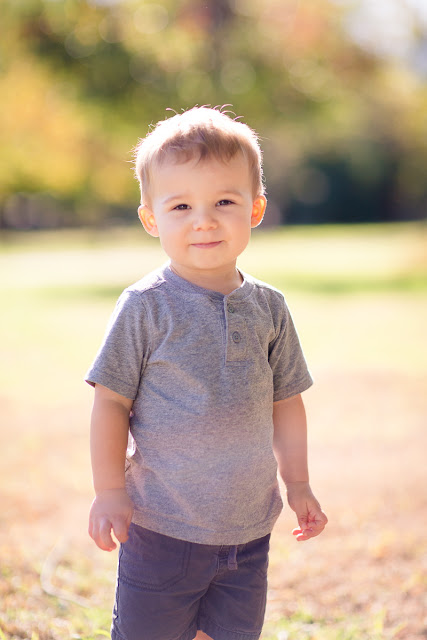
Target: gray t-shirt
(203,370)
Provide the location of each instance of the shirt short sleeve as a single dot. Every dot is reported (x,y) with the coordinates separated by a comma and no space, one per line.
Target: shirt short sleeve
(120,360)
(290,372)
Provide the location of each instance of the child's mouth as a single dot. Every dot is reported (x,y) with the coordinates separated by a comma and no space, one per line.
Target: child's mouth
(206,245)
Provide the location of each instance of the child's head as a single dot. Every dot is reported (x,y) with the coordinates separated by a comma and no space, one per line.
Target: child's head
(200,134)
(202,193)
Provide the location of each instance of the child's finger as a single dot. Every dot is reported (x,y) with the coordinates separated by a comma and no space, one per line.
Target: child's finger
(104,539)
(312,520)
(299,534)
(120,529)
(310,529)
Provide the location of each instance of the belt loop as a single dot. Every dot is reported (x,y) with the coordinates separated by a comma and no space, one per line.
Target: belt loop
(232,559)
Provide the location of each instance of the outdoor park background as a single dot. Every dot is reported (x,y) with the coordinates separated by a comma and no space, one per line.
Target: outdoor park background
(338,93)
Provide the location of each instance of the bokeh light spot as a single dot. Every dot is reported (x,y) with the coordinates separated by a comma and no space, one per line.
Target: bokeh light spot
(151,18)
(81,42)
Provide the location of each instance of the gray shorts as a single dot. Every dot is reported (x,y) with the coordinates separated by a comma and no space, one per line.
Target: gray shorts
(167,589)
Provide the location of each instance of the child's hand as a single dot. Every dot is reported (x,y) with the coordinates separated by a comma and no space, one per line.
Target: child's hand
(311,518)
(111,509)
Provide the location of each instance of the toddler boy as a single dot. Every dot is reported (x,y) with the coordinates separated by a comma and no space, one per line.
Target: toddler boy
(202,364)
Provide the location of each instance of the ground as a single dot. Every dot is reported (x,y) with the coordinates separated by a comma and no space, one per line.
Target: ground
(364,578)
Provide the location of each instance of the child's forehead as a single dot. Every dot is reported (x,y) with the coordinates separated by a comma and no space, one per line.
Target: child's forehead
(193,160)
(198,176)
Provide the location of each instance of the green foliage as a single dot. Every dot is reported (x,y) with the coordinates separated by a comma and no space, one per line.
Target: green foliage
(344,133)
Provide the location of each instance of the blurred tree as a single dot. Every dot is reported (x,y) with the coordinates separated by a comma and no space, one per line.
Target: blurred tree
(343,129)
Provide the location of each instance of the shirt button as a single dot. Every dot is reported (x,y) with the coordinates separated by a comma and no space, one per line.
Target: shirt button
(230,308)
(236,336)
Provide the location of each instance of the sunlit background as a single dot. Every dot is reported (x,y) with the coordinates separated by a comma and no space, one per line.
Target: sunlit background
(337,90)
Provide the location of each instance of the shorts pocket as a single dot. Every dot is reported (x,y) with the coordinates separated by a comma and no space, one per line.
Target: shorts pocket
(152,561)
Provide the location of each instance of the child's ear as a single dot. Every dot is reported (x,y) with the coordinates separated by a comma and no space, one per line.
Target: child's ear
(258,210)
(148,220)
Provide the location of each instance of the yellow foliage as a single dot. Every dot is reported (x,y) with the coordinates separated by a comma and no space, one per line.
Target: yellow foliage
(43,132)
(110,181)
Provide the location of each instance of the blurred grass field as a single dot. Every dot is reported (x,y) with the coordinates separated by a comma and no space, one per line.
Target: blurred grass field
(358,295)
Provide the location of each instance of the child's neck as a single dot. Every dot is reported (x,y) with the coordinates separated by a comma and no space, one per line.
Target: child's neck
(223,282)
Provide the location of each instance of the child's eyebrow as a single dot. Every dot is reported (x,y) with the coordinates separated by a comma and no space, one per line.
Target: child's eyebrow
(230,192)
(221,193)
(178,196)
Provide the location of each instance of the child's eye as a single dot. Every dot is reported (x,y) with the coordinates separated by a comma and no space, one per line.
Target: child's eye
(182,207)
(223,203)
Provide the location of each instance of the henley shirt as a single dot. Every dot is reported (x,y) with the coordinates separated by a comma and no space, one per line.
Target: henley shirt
(203,370)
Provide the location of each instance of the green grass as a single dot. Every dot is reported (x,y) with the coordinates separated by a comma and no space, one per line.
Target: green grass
(331,260)
(302,626)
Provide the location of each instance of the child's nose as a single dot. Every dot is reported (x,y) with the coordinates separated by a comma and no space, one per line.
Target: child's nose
(204,219)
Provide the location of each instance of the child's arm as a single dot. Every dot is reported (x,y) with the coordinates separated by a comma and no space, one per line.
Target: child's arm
(290,449)
(112,507)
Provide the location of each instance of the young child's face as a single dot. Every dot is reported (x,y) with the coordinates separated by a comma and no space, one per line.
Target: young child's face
(203,212)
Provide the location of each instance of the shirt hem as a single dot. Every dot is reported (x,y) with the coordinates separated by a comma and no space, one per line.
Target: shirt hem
(107,380)
(285,393)
(190,533)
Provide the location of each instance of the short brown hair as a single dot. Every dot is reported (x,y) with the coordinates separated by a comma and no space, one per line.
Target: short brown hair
(200,132)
